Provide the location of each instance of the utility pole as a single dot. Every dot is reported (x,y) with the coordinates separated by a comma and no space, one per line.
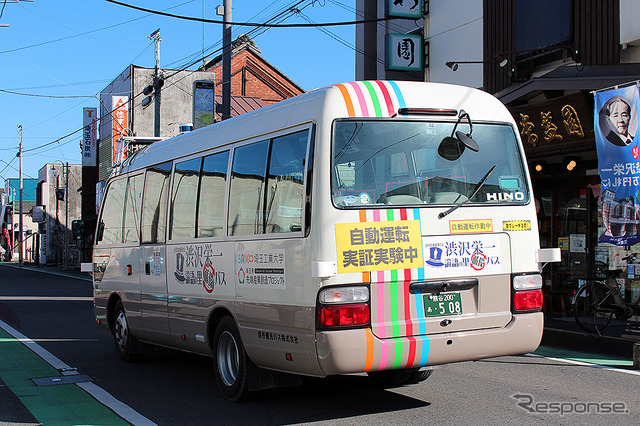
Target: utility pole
(20,235)
(5,2)
(66,217)
(158,82)
(226,61)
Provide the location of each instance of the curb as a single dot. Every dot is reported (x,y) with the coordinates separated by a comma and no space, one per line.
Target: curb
(575,340)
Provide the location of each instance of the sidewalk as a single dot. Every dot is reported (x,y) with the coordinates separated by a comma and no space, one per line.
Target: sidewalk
(617,339)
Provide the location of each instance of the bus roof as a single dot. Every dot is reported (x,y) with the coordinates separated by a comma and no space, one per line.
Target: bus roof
(369,99)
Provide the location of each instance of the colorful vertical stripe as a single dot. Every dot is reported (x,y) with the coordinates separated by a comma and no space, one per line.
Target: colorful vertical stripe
(371,98)
(393,304)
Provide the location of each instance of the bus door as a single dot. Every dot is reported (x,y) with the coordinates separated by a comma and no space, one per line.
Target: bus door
(117,251)
(153,280)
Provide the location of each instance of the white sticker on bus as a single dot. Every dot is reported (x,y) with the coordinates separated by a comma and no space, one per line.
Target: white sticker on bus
(199,269)
(261,269)
(464,254)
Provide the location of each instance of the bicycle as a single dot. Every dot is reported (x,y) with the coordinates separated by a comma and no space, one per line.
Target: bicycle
(596,302)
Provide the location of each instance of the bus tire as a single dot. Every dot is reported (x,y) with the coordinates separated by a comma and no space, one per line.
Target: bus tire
(230,361)
(419,376)
(396,378)
(126,344)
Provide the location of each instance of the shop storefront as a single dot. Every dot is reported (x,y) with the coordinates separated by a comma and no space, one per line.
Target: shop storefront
(559,141)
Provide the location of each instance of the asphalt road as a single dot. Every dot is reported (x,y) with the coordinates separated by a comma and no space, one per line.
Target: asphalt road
(169,387)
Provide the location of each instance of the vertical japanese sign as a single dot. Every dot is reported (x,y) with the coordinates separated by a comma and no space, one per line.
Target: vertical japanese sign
(378,246)
(405,52)
(616,126)
(405,8)
(89,132)
(119,124)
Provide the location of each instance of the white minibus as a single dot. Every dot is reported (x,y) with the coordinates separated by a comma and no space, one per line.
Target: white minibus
(371,227)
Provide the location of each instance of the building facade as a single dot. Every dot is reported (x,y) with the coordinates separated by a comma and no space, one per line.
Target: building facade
(252,75)
(10,220)
(59,196)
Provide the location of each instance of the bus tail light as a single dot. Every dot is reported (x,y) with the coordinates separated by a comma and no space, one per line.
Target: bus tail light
(527,294)
(344,315)
(527,300)
(343,307)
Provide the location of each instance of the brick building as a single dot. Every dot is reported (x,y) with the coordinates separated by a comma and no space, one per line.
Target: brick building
(252,75)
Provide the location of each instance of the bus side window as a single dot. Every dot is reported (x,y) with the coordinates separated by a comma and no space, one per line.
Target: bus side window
(285,187)
(246,198)
(213,188)
(154,203)
(183,205)
(111,220)
(131,224)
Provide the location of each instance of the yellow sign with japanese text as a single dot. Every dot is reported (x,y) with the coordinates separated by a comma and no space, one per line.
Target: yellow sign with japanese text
(516,225)
(470,226)
(379,246)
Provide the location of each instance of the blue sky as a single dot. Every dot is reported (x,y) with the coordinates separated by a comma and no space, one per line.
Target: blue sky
(66,52)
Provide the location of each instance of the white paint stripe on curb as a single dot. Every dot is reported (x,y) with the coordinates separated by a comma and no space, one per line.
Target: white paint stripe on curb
(586,364)
(105,398)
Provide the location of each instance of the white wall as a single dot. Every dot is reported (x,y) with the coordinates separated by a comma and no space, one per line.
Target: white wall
(455,34)
(629,15)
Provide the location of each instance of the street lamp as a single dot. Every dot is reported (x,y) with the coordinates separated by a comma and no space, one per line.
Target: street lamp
(65,196)
(454,64)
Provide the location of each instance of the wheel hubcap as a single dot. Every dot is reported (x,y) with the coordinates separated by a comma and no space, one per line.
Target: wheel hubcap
(121,331)
(228,358)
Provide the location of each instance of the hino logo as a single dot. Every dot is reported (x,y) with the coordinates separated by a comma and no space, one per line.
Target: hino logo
(505,196)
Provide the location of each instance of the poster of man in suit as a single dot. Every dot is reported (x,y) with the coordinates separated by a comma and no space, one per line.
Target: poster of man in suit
(616,125)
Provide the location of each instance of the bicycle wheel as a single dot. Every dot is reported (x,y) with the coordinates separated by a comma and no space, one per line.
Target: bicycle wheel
(592,307)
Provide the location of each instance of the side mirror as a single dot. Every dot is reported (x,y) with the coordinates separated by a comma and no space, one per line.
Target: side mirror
(451,148)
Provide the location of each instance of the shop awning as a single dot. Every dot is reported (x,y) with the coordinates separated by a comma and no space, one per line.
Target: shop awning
(573,77)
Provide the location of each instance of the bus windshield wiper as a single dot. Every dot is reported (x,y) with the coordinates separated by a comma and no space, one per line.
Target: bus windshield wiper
(478,186)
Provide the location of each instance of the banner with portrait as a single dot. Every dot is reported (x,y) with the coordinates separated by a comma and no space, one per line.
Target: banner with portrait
(616,131)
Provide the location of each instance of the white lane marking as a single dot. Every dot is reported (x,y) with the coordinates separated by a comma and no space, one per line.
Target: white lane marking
(36,269)
(102,396)
(586,364)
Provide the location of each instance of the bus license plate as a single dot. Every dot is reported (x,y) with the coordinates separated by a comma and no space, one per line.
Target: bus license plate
(442,304)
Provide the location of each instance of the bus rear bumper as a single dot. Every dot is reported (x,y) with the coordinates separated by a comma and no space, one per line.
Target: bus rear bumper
(355,351)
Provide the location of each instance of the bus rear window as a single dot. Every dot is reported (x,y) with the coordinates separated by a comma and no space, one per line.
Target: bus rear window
(404,163)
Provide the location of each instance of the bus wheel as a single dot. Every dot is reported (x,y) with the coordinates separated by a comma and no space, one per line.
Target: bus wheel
(230,361)
(419,376)
(126,344)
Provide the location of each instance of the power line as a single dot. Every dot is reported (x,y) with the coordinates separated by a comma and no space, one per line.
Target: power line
(289,10)
(251,24)
(85,33)
(11,92)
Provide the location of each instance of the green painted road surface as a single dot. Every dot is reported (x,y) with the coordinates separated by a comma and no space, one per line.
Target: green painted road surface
(589,358)
(63,404)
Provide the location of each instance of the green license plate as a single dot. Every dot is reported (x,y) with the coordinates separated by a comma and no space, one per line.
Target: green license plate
(436,305)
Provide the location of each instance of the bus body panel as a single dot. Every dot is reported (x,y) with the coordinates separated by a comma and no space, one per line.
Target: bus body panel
(352,351)
(153,289)
(270,283)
